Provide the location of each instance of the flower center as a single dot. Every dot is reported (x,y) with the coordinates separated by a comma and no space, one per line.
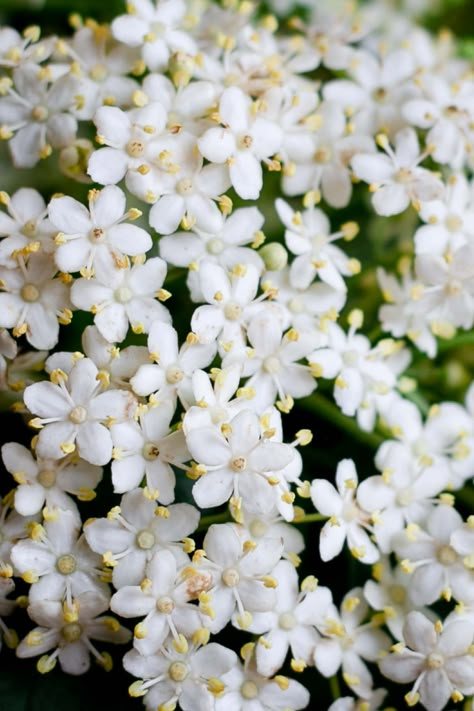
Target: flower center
(403,175)
(165,605)
(380,94)
(215,246)
(145,539)
(47,478)
(78,415)
(398,594)
(258,528)
(184,187)
(435,661)
(158,29)
(97,235)
(271,365)
(174,374)
(446,555)
(453,223)
(39,113)
(323,154)
(405,497)
(453,288)
(150,452)
(287,621)
(238,464)
(29,293)
(350,357)
(71,632)
(29,228)
(135,148)
(231,577)
(296,306)
(178,671)
(218,414)
(419,448)
(98,72)
(249,690)
(232,311)
(66,564)
(123,294)
(244,142)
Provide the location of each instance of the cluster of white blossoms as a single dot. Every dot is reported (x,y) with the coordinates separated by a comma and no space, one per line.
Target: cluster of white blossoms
(197,127)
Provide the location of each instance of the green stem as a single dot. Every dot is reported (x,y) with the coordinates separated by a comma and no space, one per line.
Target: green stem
(334,686)
(463,339)
(326,410)
(310,518)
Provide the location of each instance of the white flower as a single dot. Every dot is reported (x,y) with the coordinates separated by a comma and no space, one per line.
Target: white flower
(57,561)
(34,301)
(187,106)
(148,449)
(68,631)
(377,86)
(389,593)
(272,362)
(25,227)
(349,642)
(247,690)
(225,244)
(27,48)
(72,413)
(243,142)
(13,528)
(347,519)
(35,115)
(155,26)
(169,376)
(449,222)
(326,167)
(8,352)
(438,661)
(436,569)
(189,193)
(162,604)
(116,365)
(241,576)
(192,677)
(401,315)
(128,296)
(403,493)
(215,401)
(364,375)
(307,236)
(307,309)
(48,481)
(238,462)
(132,532)
(395,177)
(128,137)
(445,109)
(446,293)
(96,239)
(291,624)
(106,66)
(230,298)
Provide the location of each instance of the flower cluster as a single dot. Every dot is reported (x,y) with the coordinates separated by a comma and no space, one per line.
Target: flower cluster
(192,131)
